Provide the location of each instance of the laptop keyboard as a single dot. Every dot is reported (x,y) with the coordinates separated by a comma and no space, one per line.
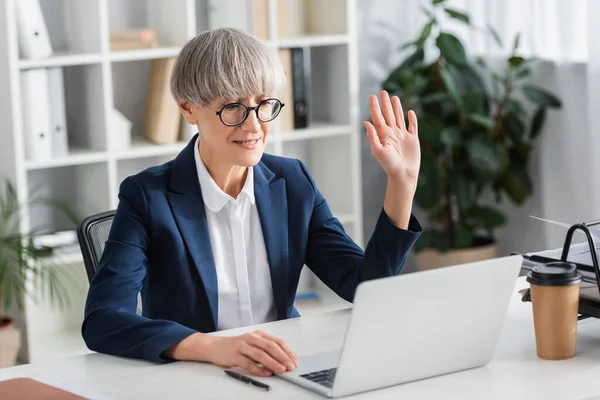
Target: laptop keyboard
(324,377)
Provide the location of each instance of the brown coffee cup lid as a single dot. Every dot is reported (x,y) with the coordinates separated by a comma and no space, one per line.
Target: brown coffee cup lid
(554,274)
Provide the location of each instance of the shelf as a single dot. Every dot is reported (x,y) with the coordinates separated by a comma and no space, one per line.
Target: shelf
(318,130)
(313,41)
(144,54)
(76,157)
(140,149)
(62,60)
(67,258)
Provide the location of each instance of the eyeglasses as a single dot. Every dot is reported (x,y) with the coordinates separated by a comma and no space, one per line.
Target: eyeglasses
(233,114)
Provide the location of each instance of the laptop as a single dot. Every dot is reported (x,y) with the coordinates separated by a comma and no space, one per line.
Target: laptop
(415,326)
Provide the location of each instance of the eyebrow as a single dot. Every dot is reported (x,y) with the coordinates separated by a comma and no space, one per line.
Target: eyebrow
(260,98)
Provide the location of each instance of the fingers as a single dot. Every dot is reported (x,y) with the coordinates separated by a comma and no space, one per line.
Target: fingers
(273,350)
(413,126)
(252,367)
(398,113)
(388,111)
(281,344)
(372,136)
(376,115)
(259,355)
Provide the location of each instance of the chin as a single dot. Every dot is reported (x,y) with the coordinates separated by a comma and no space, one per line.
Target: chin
(249,157)
(249,160)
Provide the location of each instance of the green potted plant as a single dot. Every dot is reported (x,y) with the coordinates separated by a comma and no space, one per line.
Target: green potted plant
(22,262)
(476,136)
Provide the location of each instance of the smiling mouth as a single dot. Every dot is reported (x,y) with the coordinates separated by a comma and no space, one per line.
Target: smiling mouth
(246,142)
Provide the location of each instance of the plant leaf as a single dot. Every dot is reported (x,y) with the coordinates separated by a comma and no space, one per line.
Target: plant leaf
(515,125)
(516,61)
(481,120)
(522,72)
(517,41)
(487,217)
(451,48)
(425,33)
(432,239)
(517,184)
(450,85)
(436,97)
(464,189)
(514,106)
(481,62)
(495,35)
(429,131)
(537,122)
(457,15)
(541,96)
(427,240)
(407,45)
(474,101)
(487,157)
(463,237)
(436,2)
(429,184)
(450,136)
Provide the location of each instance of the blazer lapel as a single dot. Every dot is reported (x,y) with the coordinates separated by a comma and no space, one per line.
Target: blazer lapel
(187,205)
(271,202)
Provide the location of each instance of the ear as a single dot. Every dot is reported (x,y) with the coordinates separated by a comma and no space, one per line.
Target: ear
(188,111)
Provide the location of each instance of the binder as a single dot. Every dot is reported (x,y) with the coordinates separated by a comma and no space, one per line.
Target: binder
(260,19)
(133,39)
(162,118)
(589,294)
(300,87)
(58,117)
(286,117)
(36,112)
(34,42)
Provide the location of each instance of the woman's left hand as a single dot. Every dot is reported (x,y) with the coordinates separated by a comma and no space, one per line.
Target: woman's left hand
(395,147)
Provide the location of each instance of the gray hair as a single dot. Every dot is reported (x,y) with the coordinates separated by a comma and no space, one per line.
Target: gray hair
(226,64)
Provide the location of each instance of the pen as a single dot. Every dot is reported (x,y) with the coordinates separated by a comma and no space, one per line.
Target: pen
(247,379)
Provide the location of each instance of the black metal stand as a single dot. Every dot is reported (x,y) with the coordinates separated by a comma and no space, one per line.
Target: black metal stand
(587,307)
(591,242)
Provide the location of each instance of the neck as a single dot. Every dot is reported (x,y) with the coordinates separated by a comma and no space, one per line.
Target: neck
(229,178)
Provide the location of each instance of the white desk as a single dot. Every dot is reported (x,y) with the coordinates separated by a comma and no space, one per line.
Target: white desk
(514,373)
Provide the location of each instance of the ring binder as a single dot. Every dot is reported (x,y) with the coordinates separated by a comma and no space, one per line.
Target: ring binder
(589,296)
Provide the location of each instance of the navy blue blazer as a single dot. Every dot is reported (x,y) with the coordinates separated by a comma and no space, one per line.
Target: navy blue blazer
(159,245)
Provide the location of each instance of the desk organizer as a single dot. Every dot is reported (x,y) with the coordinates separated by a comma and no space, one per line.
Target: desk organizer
(589,295)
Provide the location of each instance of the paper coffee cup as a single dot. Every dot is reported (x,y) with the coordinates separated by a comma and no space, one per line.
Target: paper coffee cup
(555,300)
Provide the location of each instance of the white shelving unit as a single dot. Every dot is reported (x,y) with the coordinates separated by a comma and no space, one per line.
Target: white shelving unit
(98,80)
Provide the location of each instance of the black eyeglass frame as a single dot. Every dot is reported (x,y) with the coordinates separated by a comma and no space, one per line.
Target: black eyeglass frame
(248,109)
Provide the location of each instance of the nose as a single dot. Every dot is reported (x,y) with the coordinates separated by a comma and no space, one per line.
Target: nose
(251,124)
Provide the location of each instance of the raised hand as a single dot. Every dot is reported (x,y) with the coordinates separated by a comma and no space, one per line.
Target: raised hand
(395,148)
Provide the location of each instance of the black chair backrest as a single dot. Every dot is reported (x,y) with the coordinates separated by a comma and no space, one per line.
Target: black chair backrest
(92,234)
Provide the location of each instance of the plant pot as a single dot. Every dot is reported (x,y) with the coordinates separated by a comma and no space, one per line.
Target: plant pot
(431,259)
(10,343)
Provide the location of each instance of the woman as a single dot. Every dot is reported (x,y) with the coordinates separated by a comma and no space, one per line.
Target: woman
(217,238)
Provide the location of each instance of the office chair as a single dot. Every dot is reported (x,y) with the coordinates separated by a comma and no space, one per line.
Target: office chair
(92,234)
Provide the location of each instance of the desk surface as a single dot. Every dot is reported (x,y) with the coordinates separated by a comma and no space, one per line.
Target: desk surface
(515,372)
